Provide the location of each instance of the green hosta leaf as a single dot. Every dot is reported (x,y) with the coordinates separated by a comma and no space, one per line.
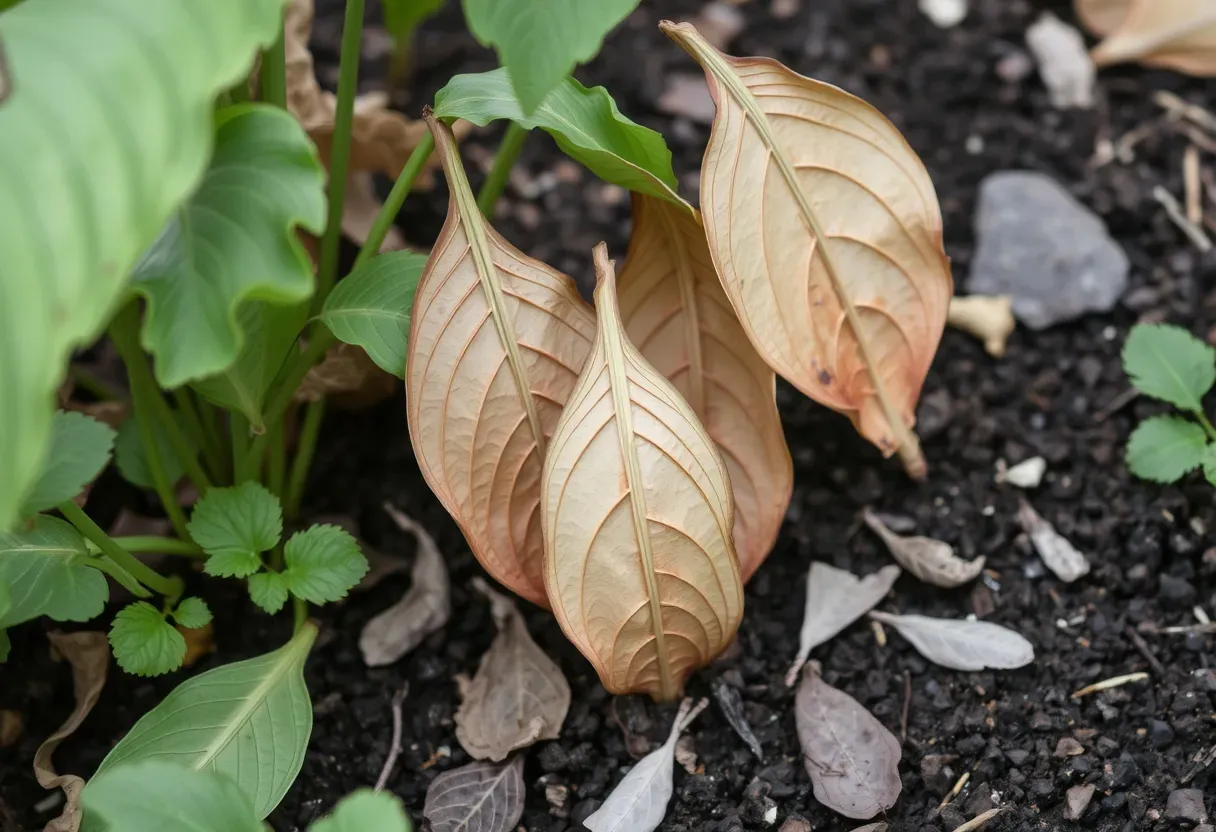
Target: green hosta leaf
(365,811)
(323,563)
(249,720)
(159,795)
(80,447)
(192,613)
(233,241)
(234,525)
(268,590)
(402,17)
(133,463)
(46,574)
(1168,363)
(270,335)
(1164,448)
(144,643)
(370,307)
(541,41)
(585,123)
(105,128)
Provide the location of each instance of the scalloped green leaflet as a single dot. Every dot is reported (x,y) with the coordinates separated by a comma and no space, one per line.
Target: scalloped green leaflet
(584,122)
(541,41)
(79,448)
(46,571)
(106,128)
(249,720)
(370,307)
(234,241)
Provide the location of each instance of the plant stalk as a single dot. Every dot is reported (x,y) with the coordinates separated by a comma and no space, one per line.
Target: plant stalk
(339,155)
(274,73)
(314,414)
(504,160)
(160,545)
(1207,425)
(169,587)
(396,198)
(105,565)
(194,426)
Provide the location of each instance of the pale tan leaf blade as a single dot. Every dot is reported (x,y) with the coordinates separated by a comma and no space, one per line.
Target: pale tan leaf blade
(827,236)
(424,608)
(852,758)
(496,344)
(681,321)
(961,644)
(478,797)
(1175,34)
(519,695)
(637,511)
(1102,16)
(89,655)
(932,561)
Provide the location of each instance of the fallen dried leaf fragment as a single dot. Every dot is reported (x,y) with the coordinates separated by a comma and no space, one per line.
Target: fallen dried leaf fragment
(478,797)
(731,703)
(347,377)
(827,236)
(932,561)
(834,600)
(12,723)
(639,801)
(637,513)
(200,642)
(89,655)
(853,760)
(677,315)
(987,317)
(496,343)
(1061,556)
(962,644)
(423,609)
(1064,65)
(359,212)
(1174,34)
(519,694)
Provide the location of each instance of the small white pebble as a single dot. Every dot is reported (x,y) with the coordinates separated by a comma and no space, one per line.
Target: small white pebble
(974,145)
(1026,474)
(770,815)
(1110,333)
(944,14)
(988,511)
(1064,63)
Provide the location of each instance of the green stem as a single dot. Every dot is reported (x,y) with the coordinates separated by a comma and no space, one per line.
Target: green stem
(276,470)
(299,612)
(305,449)
(193,422)
(124,332)
(339,154)
(274,74)
(109,567)
(320,340)
(169,587)
(209,415)
(396,198)
(160,545)
(238,426)
(504,160)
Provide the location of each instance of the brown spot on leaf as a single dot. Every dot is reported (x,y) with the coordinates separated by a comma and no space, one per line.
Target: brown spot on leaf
(825,378)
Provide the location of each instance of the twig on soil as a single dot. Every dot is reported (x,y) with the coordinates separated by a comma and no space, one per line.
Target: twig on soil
(1107,684)
(1174,211)
(394,749)
(1142,647)
(1185,109)
(1193,187)
(903,720)
(1205,761)
(980,820)
(1116,404)
(880,635)
(958,787)
(440,753)
(1200,139)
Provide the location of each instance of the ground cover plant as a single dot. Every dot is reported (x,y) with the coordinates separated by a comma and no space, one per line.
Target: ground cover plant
(622,466)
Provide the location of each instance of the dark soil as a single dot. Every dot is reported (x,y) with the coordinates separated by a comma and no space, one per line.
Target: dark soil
(1150,546)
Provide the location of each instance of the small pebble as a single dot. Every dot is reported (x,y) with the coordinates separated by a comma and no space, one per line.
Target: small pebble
(1186,804)
(1077,801)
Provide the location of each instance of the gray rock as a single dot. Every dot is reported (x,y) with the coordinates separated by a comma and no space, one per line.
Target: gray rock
(1077,801)
(1186,804)
(1036,243)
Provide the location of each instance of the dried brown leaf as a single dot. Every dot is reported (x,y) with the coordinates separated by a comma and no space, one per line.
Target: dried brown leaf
(421,611)
(834,600)
(359,211)
(519,694)
(932,561)
(987,317)
(1057,552)
(496,345)
(381,139)
(348,378)
(853,760)
(826,233)
(89,655)
(12,724)
(1174,34)
(678,317)
(479,797)
(200,642)
(637,511)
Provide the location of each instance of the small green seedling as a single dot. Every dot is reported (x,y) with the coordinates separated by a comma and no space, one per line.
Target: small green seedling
(1168,363)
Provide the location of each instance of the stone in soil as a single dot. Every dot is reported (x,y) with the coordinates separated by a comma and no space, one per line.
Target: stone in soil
(1041,246)
(1077,801)
(1186,804)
